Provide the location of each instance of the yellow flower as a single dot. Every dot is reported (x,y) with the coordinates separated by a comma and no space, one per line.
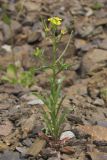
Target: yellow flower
(55,21)
(63,31)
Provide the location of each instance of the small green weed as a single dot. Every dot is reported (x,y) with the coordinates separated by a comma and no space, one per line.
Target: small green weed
(103,93)
(97,6)
(15,75)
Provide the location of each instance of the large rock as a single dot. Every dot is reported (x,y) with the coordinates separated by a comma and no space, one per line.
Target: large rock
(94,61)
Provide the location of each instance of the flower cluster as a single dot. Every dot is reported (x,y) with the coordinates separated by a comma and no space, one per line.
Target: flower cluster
(55,21)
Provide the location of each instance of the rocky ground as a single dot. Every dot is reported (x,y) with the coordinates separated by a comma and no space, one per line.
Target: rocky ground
(85,85)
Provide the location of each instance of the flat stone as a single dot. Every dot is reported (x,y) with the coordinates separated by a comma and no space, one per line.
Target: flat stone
(3,146)
(103,44)
(99,102)
(7,48)
(10,155)
(98,155)
(6,128)
(79,43)
(102,123)
(27,142)
(98,133)
(21,150)
(86,30)
(1,36)
(34,37)
(28,124)
(94,61)
(36,147)
(32,6)
(53,158)
(16,26)
(77,89)
(67,135)
(6,31)
(35,102)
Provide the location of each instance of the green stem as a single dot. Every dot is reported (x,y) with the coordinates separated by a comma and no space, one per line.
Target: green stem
(12,45)
(65,48)
(54,85)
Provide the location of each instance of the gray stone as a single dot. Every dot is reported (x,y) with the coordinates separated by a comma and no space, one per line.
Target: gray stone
(102,123)
(103,44)
(1,36)
(32,6)
(16,26)
(21,150)
(35,102)
(27,142)
(94,61)
(53,158)
(34,37)
(6,31)
(85,31)
(7,48)
(10,155)
(99,102)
